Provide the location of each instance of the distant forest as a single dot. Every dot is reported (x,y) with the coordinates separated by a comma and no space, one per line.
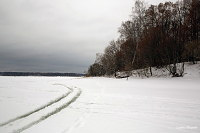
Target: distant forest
(39,74)
(162,36)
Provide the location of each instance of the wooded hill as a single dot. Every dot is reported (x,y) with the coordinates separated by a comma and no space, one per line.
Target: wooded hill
(155,36)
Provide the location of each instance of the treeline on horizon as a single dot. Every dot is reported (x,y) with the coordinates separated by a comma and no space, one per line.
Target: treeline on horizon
(162,36)
(40,74)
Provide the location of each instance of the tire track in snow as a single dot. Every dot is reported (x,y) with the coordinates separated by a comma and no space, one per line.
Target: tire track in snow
(78,93)
(75,92)
(36,110)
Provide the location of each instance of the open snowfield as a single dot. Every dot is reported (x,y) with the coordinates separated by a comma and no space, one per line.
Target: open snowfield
(100,105)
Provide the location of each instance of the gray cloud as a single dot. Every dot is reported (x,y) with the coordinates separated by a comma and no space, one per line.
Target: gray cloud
(57,35)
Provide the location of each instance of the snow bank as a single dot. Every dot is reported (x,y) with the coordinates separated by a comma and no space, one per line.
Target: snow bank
(191,71)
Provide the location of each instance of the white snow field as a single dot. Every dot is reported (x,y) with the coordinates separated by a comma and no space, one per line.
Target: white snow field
(101,105)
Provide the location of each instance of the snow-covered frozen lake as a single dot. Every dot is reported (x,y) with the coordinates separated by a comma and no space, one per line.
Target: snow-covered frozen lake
(99,105)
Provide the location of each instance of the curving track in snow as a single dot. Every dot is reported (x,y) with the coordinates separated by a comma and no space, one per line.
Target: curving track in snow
(34,117)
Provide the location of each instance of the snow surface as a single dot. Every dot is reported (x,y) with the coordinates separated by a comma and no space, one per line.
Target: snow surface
(101,105)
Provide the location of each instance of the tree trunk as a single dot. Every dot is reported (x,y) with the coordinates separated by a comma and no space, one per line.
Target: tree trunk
(151,71)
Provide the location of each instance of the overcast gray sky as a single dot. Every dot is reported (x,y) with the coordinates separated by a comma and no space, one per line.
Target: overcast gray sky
(58,35)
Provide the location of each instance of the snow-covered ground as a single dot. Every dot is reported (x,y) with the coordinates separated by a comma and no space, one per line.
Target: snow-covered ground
(101,105)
